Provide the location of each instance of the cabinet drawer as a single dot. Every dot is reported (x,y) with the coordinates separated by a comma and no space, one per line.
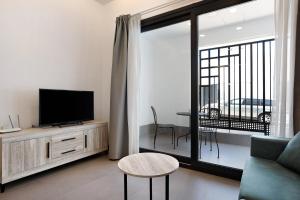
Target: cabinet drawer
(67,151)
(68,144)
(68,138)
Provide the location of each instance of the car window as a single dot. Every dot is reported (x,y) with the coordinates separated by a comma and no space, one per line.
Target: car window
(255,102)
(268,102)
(235,102)
(247,102)
(244,101)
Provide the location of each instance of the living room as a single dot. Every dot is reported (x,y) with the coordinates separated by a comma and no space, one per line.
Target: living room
(172,99)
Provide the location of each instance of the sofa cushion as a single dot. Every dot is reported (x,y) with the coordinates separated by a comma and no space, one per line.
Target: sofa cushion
(290,157)
(267,180)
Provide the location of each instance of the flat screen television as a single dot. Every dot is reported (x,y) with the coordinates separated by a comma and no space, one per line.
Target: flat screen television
(58,107)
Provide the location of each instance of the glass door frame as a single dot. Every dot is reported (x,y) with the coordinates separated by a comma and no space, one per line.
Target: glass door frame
(191,12)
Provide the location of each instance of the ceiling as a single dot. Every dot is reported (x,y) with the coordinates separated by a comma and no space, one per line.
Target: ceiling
(104,1)
(236,15)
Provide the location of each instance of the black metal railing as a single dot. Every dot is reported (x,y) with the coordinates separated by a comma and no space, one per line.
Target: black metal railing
(236,86)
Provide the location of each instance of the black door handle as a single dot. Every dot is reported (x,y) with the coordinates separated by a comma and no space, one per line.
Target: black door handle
(85,141)
(73,138)
(48,149)
(68,151)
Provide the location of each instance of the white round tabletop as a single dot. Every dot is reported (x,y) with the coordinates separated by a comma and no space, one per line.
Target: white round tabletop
(147,165)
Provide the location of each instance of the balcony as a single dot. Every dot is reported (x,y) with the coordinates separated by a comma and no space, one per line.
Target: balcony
(234,145)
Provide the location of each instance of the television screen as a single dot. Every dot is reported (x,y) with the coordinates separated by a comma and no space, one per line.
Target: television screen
(65,106)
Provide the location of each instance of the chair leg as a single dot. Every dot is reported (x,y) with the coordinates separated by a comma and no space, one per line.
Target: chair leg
(172,131)
(210,140)
(200,145)
(174,137)
(217,144)
(205,139)
(155,134)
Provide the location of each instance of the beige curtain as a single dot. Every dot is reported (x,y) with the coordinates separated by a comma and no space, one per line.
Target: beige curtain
(118,131)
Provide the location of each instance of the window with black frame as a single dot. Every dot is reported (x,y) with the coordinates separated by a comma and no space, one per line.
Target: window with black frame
(206,82)
(236,50)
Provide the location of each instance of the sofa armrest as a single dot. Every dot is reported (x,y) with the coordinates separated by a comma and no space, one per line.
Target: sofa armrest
(267,147)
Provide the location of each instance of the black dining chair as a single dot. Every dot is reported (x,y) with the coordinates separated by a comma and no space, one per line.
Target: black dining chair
(162,126)
(207,131)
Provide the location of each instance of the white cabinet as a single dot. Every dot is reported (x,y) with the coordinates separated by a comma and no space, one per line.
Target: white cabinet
(35,150)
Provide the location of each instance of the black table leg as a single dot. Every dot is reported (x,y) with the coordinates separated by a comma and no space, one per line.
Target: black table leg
(167,187)
(150,188)
(125,186)
(2,188)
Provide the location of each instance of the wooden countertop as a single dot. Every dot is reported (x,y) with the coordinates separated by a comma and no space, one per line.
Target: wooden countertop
(148,165)
(47,131)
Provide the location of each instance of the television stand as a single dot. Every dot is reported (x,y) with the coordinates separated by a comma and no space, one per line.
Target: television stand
(34,150)
(70,124)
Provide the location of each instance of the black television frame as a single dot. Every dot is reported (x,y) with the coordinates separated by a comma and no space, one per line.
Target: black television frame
(66,123)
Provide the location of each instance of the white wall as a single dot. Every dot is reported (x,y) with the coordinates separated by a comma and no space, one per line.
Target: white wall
(166,79)
(48,44)
(61,44)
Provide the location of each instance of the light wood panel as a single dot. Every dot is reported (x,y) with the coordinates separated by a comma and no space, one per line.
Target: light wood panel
(148,165)
(36,153)
(103,138)
(68,137)
(96,139)
(13,158)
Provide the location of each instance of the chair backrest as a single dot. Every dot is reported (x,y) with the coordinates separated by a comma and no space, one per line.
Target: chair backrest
(154,115)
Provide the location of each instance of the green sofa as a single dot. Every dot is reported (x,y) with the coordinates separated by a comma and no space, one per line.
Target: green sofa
(263,178)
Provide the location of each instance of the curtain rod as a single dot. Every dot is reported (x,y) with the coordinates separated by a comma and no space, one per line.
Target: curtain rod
(165,5)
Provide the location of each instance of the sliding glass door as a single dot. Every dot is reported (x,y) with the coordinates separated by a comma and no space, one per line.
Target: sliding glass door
(206,82)
(235,62)
(166,90)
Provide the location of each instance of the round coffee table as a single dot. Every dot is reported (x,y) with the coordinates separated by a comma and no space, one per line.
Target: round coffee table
(148,165)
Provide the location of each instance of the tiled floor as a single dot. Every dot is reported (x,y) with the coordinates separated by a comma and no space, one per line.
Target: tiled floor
(100,179)
(232,155)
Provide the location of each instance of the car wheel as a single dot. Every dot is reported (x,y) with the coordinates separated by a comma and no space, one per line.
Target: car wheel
(214,114)
(266,117)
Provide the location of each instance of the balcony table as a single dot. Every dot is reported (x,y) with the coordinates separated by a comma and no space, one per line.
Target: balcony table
(188,114)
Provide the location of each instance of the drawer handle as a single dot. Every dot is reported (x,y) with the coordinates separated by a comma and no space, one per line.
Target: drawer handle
(73,138)
(68,151)
(48,149)
(85,141)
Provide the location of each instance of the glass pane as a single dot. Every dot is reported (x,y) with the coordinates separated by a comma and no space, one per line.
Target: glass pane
(166,85)
(204,54)
(214,62)
(239,46)
(223,51)
(214,53)
(204,63)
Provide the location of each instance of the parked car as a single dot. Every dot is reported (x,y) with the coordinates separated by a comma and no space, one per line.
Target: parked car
(258,111)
